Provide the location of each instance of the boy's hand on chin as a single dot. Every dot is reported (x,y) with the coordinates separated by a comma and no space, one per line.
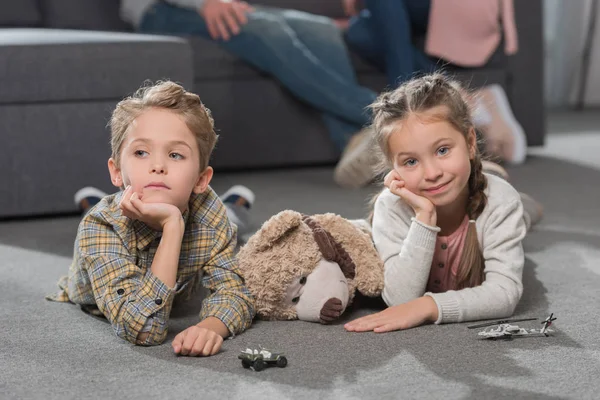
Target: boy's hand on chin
(155,215)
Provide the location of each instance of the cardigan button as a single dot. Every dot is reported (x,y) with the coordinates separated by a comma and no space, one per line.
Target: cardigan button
(441,265)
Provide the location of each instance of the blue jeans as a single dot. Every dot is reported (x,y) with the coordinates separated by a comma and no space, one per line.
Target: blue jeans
(305,52)
(383,34)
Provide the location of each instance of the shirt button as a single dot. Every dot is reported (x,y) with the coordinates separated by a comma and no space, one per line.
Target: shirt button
(120,292)
(441,265)
(444,246)
(158,302)
(437,282)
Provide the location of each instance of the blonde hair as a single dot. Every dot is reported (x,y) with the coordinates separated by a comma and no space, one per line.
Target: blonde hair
(169,96)
(416,97)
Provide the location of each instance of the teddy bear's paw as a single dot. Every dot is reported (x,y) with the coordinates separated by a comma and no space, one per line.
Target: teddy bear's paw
(332,309)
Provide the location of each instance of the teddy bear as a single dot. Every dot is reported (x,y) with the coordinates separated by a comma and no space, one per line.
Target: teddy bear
(305,267)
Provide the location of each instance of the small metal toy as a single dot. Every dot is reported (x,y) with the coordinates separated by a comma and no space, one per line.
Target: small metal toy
(507,331)
(259,359)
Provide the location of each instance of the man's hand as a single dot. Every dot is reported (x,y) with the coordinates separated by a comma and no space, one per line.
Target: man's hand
(423,207)
(155,215)
(225,17)
(200,339)
(402,316)
(350,7)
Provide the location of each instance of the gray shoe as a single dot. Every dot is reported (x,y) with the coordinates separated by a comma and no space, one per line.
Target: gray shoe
(533,211)
(358,164)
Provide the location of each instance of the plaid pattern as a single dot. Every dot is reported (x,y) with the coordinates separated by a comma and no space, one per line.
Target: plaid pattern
(111,269)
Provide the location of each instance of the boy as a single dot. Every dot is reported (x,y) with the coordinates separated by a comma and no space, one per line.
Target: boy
(138,249)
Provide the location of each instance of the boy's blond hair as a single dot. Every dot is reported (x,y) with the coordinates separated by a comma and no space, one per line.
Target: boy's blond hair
(170,96)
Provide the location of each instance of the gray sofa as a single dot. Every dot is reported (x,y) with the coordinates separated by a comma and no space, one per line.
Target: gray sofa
(65,63)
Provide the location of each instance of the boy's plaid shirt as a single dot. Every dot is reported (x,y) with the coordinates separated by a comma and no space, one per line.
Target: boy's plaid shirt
(111,269)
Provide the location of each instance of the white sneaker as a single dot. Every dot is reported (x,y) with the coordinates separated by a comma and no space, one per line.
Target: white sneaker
(238,211)
(505,136)
(87,197)
(238,191)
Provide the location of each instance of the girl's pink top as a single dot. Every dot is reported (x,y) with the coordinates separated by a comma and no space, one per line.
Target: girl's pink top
(467,32)
(446,259)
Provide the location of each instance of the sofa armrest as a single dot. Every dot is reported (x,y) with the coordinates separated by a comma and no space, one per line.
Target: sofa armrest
(525,86)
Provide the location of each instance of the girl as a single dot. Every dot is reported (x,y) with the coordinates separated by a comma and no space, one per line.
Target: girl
(449,234)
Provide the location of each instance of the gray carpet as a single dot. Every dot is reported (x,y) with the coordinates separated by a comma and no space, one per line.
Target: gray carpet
(50,350)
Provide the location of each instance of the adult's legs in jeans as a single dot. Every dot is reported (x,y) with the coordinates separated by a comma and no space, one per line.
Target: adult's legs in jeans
(270,44)
(388,26)
(362,39)
(324,39)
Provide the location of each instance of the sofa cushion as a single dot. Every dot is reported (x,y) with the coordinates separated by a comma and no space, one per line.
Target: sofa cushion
(46,65)
(99,15)
(19,13)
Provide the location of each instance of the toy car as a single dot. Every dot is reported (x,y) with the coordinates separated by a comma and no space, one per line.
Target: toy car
(259,359)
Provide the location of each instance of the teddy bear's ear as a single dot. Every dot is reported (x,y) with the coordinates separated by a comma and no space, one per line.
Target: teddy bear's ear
(275,228)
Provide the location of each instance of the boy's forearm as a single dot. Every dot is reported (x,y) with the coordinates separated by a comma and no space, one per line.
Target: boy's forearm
(166,260)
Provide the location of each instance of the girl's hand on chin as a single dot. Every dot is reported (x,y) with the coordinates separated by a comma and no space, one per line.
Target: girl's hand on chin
(422,206)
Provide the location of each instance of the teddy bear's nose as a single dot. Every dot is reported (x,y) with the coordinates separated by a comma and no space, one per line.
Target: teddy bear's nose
(332,309)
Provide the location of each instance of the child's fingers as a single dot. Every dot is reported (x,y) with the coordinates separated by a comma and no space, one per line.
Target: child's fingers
(366,326)
(137,204)
(391,177)
(385,328)
(126,195)
(189,341)
(126,199)
(209,344)
(198,346)
(395,187)
(129,210)
(363,323)
(217,346)
(412,199)
(178,341)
